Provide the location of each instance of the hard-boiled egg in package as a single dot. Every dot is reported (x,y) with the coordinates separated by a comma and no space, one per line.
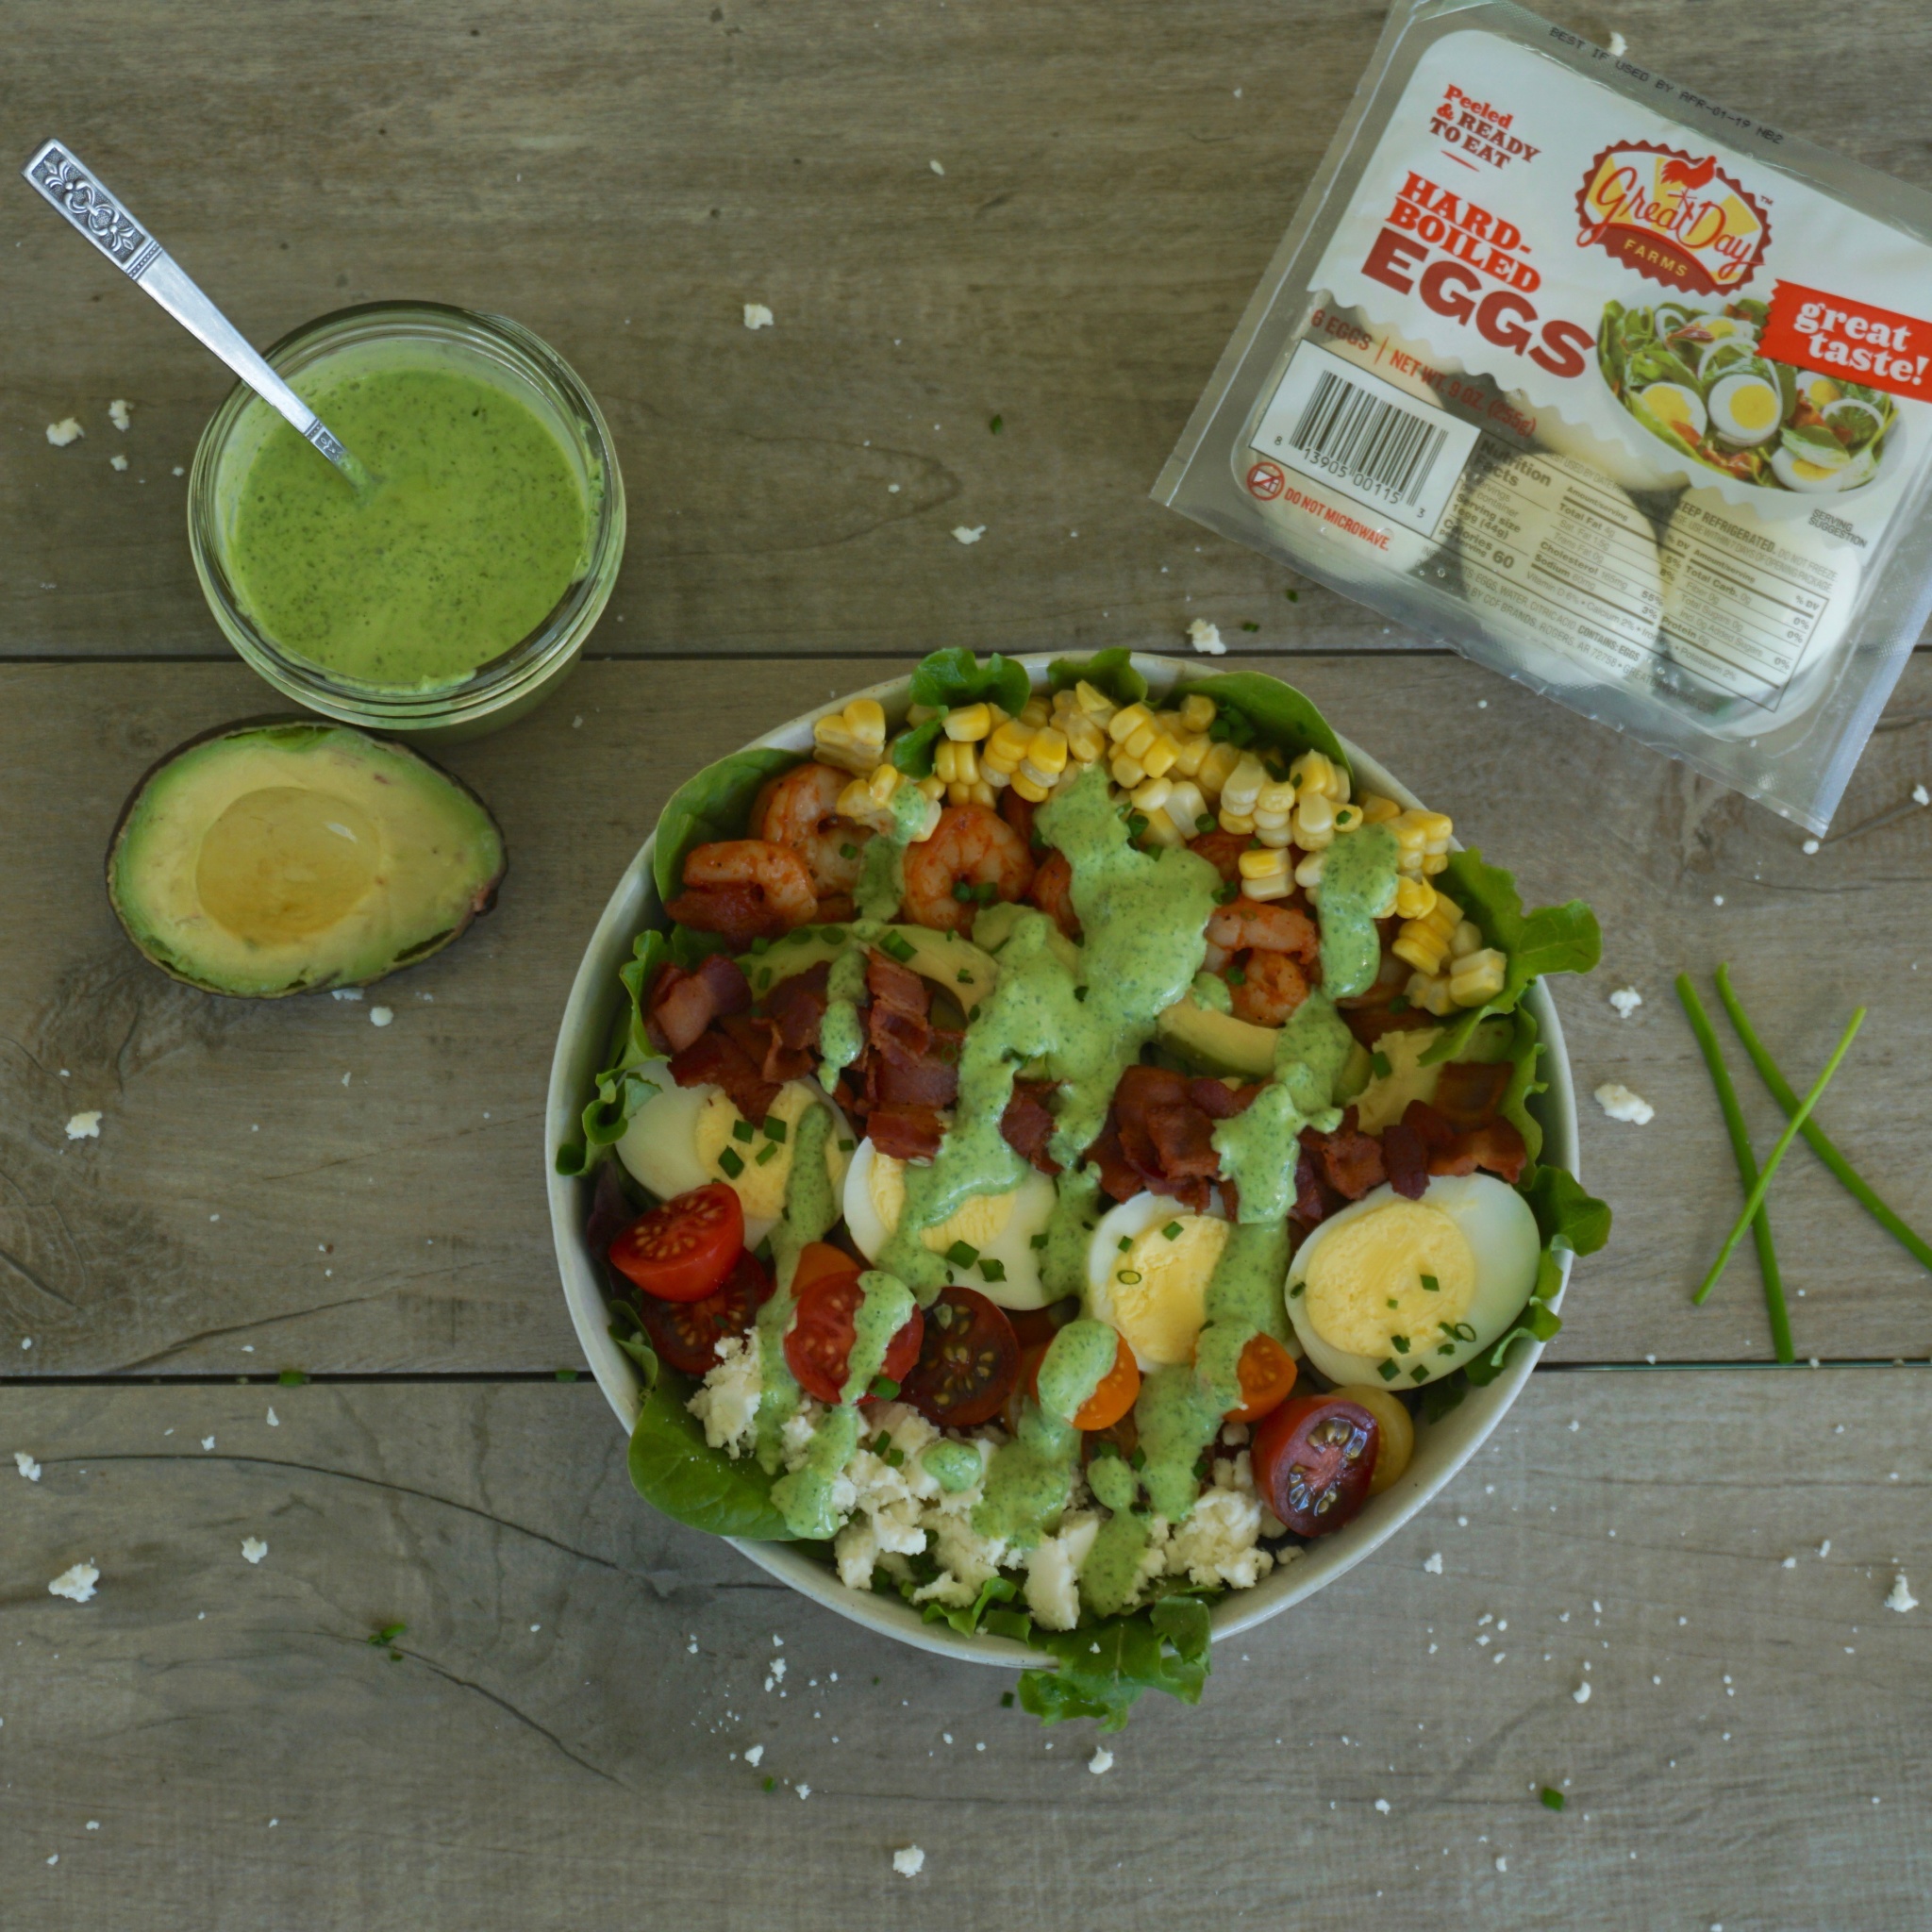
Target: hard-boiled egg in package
(1620,395)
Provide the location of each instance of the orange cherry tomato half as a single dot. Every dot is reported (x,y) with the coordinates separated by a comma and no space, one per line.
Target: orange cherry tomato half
(683,1249)
(1267,1373)
(817,1259)
(818,1345)
(1118,1390)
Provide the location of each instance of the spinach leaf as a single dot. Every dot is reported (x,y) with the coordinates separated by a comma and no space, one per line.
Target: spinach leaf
(1553,939)
(673,1469)
(1109,671)
(956,677)
(1525,1049)
(912,750)
(1565,1213)
(1274,711)
(1104,1669)
(713,805)
(627,1082)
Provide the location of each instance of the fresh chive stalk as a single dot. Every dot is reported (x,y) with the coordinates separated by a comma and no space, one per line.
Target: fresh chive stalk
(1816,1139)
(1775,1158)
(1747,1166)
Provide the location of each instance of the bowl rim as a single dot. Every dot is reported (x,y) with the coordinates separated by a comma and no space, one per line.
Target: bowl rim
(588,1019)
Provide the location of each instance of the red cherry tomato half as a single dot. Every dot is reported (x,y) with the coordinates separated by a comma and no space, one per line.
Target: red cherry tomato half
(1313,1459)
(682,1251)
(969,1357)
(1021,1394)
(687,1334)
(818,1345)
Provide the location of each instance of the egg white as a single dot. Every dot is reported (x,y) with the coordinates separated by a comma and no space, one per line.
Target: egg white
(1810,479)
(1001,1226)
(1733,431)
(1502,1240)
(1161,1318)
(666,1147)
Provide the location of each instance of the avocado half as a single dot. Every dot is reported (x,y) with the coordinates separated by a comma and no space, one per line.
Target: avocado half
(295,856)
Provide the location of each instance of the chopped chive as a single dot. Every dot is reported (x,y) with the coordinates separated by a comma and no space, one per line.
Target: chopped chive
(848,852)
(832,935)
(1292,597)
(846,1144)
(1447,1348)
(743,1130)
(1815,1135)
(992,1271)
(1552,1798)
(731,1163)
(1386,1369)
(1393,1303)
(1294,1290)
(774,1127)
(1399,1004)
(1173,1230)
(993,429)
(1431,1284)
(376,1639)
(1080,994)
(291,1379)
(566,1375)
(771,1784)
(1399,1343)
(964,978)
(1205,822)
(987,895)
(1381,1064)
(761,944)
(764,977)
(1419,1374)
(1006,1696)
(1225,894)
(1235,977)
(1775,1158)
(895,947)
(884,1388)
(1126,1241)
(963,1254)
(765,1153)
(1138,1459)
(1128,1277)
(1251,627)
(1137,823)
(1040,1239)
(1463,1331)
(798,936)
(962,890)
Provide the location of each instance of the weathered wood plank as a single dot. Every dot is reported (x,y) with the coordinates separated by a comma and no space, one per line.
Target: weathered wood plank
(397,1221)
(556,1746)
(623,180)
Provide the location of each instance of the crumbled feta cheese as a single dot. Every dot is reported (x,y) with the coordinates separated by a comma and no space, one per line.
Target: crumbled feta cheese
(1206,638)
(935,167)
(117,462)
(755,1755)
(1053,1571)
(207,1442)
(1626,1000)
(1920,797)
(275,1421)
(1101,1761)
(909,1861)
(805,1791)
(64,432)
(1622,1105)
(381,1016)
(756,315)
(1382,1806)
(1433,1563)
(118,412)
(77,1583)
(728,1404)
(1809,848)
(345,992)
(1581,1694)
(1218,1541)
(84,1127)
(253,1549)
(1619,46)
(27,1465)
(968,533)
(1901,1598)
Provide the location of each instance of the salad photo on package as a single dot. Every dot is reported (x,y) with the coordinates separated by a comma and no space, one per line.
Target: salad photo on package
(1059,1145)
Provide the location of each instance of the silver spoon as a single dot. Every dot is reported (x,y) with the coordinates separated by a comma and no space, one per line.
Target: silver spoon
(78,195)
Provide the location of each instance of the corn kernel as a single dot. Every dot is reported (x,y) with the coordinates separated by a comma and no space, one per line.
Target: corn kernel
(1425,941)
(1243,785)
(1477,977)
(1186,807)
(1086,740)
(1028,789)
(1315,771)
(1348,818)
(1127,771)
(1006,746)
(1189,752)
(1124,723)
(1263,864)
(1378,811)
(1465,939)
(934,787)
(1211,774)
(1197,712)
(1414,898)
(969,723)
(1435,863)
(1047,752)
(1161,830)
(1314,821)
(1431,995)
(1094,702)
(1035,712)
(918,714)
(1421,836)
(1308,872)
(1151,794)
(852,739)
(957,763)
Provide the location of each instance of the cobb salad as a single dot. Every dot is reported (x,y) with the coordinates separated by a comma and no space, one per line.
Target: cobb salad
(1066,1141)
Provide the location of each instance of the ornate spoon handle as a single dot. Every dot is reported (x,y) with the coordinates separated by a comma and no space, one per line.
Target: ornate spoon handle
(77,193)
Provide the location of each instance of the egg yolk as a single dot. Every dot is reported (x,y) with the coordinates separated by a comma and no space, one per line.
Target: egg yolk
(1672,407)
(1158,1287)
(979,1223)
(1364,1281)
(759,1183)
(1754,405)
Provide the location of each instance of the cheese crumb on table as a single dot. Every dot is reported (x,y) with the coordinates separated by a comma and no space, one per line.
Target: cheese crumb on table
(935,167)
(27,1465)
(1382,1806)
(64,432)
(381,1016)
(84,1127)
(968,533)
(909,1861)
(1433,1563)
(1901,1598)
(117,462)
(756,315)
(754,1756)
(118,412)
(1626,1000)
(1581,1694)
(77,1583)
(1622,1105)
(1206,638)
(1101,1760)
(1920,797)
(253,1549)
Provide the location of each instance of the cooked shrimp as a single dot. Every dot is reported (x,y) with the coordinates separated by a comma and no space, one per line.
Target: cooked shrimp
(745,889)
(972,857)
(801,810)
(1223,851)
(1267,988)
(1053,892)
(1260,925)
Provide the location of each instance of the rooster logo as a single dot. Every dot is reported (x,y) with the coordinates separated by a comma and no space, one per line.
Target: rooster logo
(1687,175)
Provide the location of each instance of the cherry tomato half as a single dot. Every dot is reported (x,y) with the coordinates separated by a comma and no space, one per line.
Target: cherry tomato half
(1398,1434)
(818,1345)
(1313,1458)
(683,1249)
(1267,1373)
(1120,1388)
(1025,1388)
(817,1259)
(968,1361)
(687,1334)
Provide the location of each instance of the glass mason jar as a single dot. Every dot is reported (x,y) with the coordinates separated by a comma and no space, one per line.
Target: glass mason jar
(499,350)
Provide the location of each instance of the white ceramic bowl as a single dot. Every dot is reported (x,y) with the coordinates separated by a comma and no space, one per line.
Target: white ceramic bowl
(1441,1448)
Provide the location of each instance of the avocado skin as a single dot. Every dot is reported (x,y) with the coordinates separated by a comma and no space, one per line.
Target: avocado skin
(318,972)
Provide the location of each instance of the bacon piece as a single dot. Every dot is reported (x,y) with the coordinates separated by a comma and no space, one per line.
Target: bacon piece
(680,1004)
(1314,1199)
(797,1006)
(1117,1178)
(1369,1024)
(1027,1126)
(714,1059)
(1468,1092)
(906,1133)
(928,1081)
(737,912)
(896,986)
(759,1040)
(1349,1160)
(1407,1160)
(1218,1101)
(1496,1146)
(896,1023)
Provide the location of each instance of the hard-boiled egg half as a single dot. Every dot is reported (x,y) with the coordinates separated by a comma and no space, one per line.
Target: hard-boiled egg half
(685,1137)
(998,1231)
(1148,1267)
(1745,410)
(1399,1291)
(1674,403)
(1819,478)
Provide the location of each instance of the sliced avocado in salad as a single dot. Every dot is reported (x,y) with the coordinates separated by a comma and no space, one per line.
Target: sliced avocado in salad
(268,860)
(961,968)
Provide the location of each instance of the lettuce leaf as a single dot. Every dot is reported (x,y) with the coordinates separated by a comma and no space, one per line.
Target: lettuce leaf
(674,1470)
(956,677)
(1255,705)
(1565,1213)
(1553,939)
(965,1619)
(625,1085)
(1112,672)
(912,750)
(1104,1669)
(1525,1050)
(714,805)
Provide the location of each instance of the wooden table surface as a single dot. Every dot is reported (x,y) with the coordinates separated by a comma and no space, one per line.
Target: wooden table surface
(1706,1540)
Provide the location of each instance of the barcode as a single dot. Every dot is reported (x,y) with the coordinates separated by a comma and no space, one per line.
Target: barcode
(1376,445)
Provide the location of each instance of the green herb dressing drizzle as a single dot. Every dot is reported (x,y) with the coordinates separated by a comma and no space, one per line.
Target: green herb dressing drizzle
(1212,993)
(842,1036)
(1357,888)
(810,1208)
(1075,1363)
(1259,1148)
(1110,1576)
(955,1466)
(882,876)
